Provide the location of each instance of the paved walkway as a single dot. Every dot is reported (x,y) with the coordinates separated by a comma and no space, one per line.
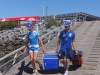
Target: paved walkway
(88,41)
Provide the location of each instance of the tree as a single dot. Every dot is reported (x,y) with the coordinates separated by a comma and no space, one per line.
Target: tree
(51,22)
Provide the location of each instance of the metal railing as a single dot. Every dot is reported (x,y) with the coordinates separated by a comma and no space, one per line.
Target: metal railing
(18,55)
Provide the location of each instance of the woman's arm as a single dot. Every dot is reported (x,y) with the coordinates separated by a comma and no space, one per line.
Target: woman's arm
(42,45)
(26,47)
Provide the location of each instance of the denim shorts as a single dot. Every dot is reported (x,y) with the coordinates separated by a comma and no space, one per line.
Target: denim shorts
(33,49)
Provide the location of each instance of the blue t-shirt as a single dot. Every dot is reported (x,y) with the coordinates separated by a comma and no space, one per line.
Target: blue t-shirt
(33,39)
(66,39)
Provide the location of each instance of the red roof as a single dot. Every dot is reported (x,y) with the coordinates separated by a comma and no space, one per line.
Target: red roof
(0,20)
(29,18)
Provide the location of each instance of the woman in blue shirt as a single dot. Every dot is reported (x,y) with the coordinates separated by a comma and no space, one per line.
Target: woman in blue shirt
(32,45)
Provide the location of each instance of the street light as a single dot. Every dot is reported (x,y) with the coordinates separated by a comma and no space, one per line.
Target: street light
(46,10)
(42,8)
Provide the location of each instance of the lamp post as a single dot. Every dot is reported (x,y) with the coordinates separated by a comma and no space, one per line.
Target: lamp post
(43,16)
(46,11)
(42,9)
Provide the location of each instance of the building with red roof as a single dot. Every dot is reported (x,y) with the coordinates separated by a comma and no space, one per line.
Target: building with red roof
(22,20)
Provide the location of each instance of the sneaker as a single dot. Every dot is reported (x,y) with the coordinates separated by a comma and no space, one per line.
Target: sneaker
(41,67)
(66,73)
(34,72)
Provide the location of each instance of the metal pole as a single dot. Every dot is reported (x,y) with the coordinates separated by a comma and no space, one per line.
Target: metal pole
(46,10)
(36,27)
(42,9)
(85,18)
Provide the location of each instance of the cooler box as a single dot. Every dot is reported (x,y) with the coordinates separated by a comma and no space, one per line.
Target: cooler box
(51,61)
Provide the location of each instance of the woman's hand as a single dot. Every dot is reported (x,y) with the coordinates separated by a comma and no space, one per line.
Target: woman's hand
(43,50)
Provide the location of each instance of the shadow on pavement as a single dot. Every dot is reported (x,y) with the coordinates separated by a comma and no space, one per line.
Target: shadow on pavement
(25,69)
(73,67)
(53,71)
(29,70)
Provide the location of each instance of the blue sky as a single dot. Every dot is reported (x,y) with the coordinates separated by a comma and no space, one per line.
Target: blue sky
(18,8)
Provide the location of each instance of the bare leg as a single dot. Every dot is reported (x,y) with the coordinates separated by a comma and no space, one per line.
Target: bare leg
(62,61)
(67,64)
(35,58)
(31,54)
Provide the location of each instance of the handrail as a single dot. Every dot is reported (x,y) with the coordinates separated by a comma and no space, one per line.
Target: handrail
(51,31)
(57,30)
(2,58)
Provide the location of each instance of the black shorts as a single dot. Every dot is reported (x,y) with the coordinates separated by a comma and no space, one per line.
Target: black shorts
(61,54)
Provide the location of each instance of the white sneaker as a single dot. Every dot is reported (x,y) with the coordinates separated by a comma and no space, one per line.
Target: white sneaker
(34,73)
(35,70)
(66,73)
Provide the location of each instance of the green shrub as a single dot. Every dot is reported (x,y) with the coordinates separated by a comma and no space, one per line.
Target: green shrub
(8,25)
(51,22)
